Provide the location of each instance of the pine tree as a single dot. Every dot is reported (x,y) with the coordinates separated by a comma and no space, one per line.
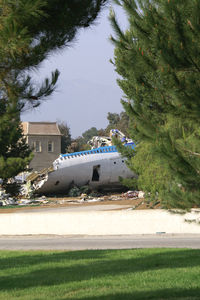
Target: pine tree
(158,60)
(30,30)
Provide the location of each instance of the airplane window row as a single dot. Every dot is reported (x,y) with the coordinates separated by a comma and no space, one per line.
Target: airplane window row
(81,154)
(116,162)
(90,152)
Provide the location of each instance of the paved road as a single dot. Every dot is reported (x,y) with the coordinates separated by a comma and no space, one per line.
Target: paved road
(98,242)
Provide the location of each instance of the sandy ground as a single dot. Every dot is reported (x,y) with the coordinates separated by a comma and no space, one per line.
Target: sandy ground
(108,200)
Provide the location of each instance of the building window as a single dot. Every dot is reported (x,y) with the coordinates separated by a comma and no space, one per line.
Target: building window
(37,146)
(50,146)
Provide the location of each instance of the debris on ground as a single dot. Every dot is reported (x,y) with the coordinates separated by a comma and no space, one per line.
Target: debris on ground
(134,194)
(75,196)
(27,190)
(141,194)
(95,196)
(7,200)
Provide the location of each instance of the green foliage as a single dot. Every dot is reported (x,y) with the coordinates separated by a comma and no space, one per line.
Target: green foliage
(30,30)
(130,183)
(66,136)
(88,134)
(78,144)
(14,152)
(77,191)
(74,192)
(118,121)
(159,63)
(13,189)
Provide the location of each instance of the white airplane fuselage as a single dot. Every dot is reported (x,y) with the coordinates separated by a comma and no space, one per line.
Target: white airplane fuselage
(93,168)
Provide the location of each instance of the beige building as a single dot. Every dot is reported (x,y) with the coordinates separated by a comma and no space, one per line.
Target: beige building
(44,138)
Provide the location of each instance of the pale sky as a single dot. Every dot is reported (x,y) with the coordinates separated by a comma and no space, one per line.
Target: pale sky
(87,88)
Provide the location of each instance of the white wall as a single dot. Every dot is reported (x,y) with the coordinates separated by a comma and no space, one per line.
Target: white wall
(98,223)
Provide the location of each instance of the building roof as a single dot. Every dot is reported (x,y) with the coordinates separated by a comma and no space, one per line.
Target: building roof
(40,128)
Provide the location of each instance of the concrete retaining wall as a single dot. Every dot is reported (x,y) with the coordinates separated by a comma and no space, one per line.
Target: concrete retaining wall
(98,223)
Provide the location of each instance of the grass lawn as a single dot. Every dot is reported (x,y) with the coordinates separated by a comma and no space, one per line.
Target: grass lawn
(100,274)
